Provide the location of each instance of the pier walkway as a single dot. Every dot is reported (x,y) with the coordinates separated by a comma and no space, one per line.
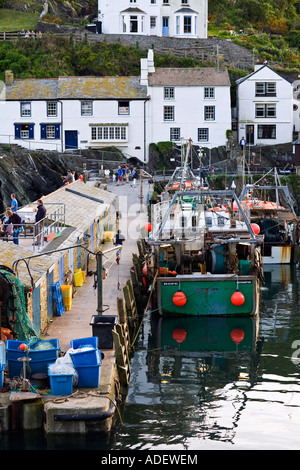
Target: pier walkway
(75,323)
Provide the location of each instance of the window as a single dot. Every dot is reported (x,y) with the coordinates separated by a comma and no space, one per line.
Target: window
(177,24)
(203,135)
(24,131)
(109,133)
(123,107)
(165,2)
(221,220)
(209,113)
(265,89)
(184,2)
(265,110)
(169,93)
(266,132)
(153,1)
(86,108)
(52,108)
(50,131)
(187,24)
(25,109)
(175,133)
(169,113)
(209,93)
(152,21)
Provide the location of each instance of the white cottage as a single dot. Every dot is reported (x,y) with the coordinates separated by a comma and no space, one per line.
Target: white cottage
(188,103)
(69,113)
(129,113)
(174,18)
(265,107)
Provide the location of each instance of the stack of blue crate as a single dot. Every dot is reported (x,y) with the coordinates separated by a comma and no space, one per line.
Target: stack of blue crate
(86,358)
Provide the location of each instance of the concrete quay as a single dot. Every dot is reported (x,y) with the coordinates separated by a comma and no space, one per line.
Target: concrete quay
(86,409)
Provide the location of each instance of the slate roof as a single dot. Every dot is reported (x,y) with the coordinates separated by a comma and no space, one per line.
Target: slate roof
(76,88)
(189,77)
(82,208)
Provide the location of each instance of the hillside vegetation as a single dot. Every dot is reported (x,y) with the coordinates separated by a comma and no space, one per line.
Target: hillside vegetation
(271,30)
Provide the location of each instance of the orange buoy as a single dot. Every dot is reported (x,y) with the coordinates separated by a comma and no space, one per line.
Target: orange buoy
(237,335)
(179,299)
(179,334)
(144,281)
(23,347)
(237,298)
(255,228)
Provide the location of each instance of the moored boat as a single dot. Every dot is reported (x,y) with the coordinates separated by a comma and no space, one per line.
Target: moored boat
(206,255)
(270,207)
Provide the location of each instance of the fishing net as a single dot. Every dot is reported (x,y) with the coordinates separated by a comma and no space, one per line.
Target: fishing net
(17,316)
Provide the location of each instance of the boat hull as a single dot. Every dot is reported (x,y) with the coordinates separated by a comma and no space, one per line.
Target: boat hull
(207,295)
(275,254)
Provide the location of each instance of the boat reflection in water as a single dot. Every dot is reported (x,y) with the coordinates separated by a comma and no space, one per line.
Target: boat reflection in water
(176,344)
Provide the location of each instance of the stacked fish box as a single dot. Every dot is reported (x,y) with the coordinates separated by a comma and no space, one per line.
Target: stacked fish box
(86,358)
(39,353)
(2,362)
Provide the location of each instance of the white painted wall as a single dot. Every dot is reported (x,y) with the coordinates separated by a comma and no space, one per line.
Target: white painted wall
(189,106)
(283,101)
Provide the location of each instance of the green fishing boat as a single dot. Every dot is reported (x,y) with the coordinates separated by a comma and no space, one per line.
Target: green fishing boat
(205,254)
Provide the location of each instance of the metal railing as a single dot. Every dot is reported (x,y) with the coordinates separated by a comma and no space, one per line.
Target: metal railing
(54,222)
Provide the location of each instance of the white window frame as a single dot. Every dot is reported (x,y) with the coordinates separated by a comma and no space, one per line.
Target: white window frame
(51,108)
(87,108)
(169,93)
(175,134)
(209,113)
(209,92)
(109,133)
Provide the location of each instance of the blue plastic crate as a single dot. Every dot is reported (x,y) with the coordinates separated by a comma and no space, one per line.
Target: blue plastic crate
(39,358)
(61,384)
(88,376)
(90,357)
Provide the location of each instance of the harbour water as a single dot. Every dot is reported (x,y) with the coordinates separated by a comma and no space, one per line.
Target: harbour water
(208,384)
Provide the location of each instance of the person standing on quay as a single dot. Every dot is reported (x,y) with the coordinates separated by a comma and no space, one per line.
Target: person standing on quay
(14,205)
(15,220)
(39,216)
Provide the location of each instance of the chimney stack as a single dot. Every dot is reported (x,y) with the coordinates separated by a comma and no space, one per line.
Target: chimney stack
(9,77)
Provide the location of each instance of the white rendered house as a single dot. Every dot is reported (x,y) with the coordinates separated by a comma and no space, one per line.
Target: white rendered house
(69,113)
(265,108)
(174,18)
(187,103)
(129,113)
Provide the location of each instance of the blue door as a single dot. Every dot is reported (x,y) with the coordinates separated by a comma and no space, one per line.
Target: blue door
(165,26)
(71,140)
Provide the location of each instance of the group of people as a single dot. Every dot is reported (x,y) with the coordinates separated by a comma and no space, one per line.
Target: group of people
(124,174)
(70,177)
(30,34)
(11,224)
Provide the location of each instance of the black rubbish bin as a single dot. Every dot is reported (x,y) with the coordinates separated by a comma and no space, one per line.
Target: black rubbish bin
(102,327)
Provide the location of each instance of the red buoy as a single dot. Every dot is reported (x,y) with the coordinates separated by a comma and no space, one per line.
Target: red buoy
(145,270)
(237,298)
(237,335)
(255,228)
(179,335)
(148,227)
(144,281)
(23,347)
(179,298)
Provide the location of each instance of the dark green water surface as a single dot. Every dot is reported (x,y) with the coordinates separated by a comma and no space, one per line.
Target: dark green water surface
(205,391)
